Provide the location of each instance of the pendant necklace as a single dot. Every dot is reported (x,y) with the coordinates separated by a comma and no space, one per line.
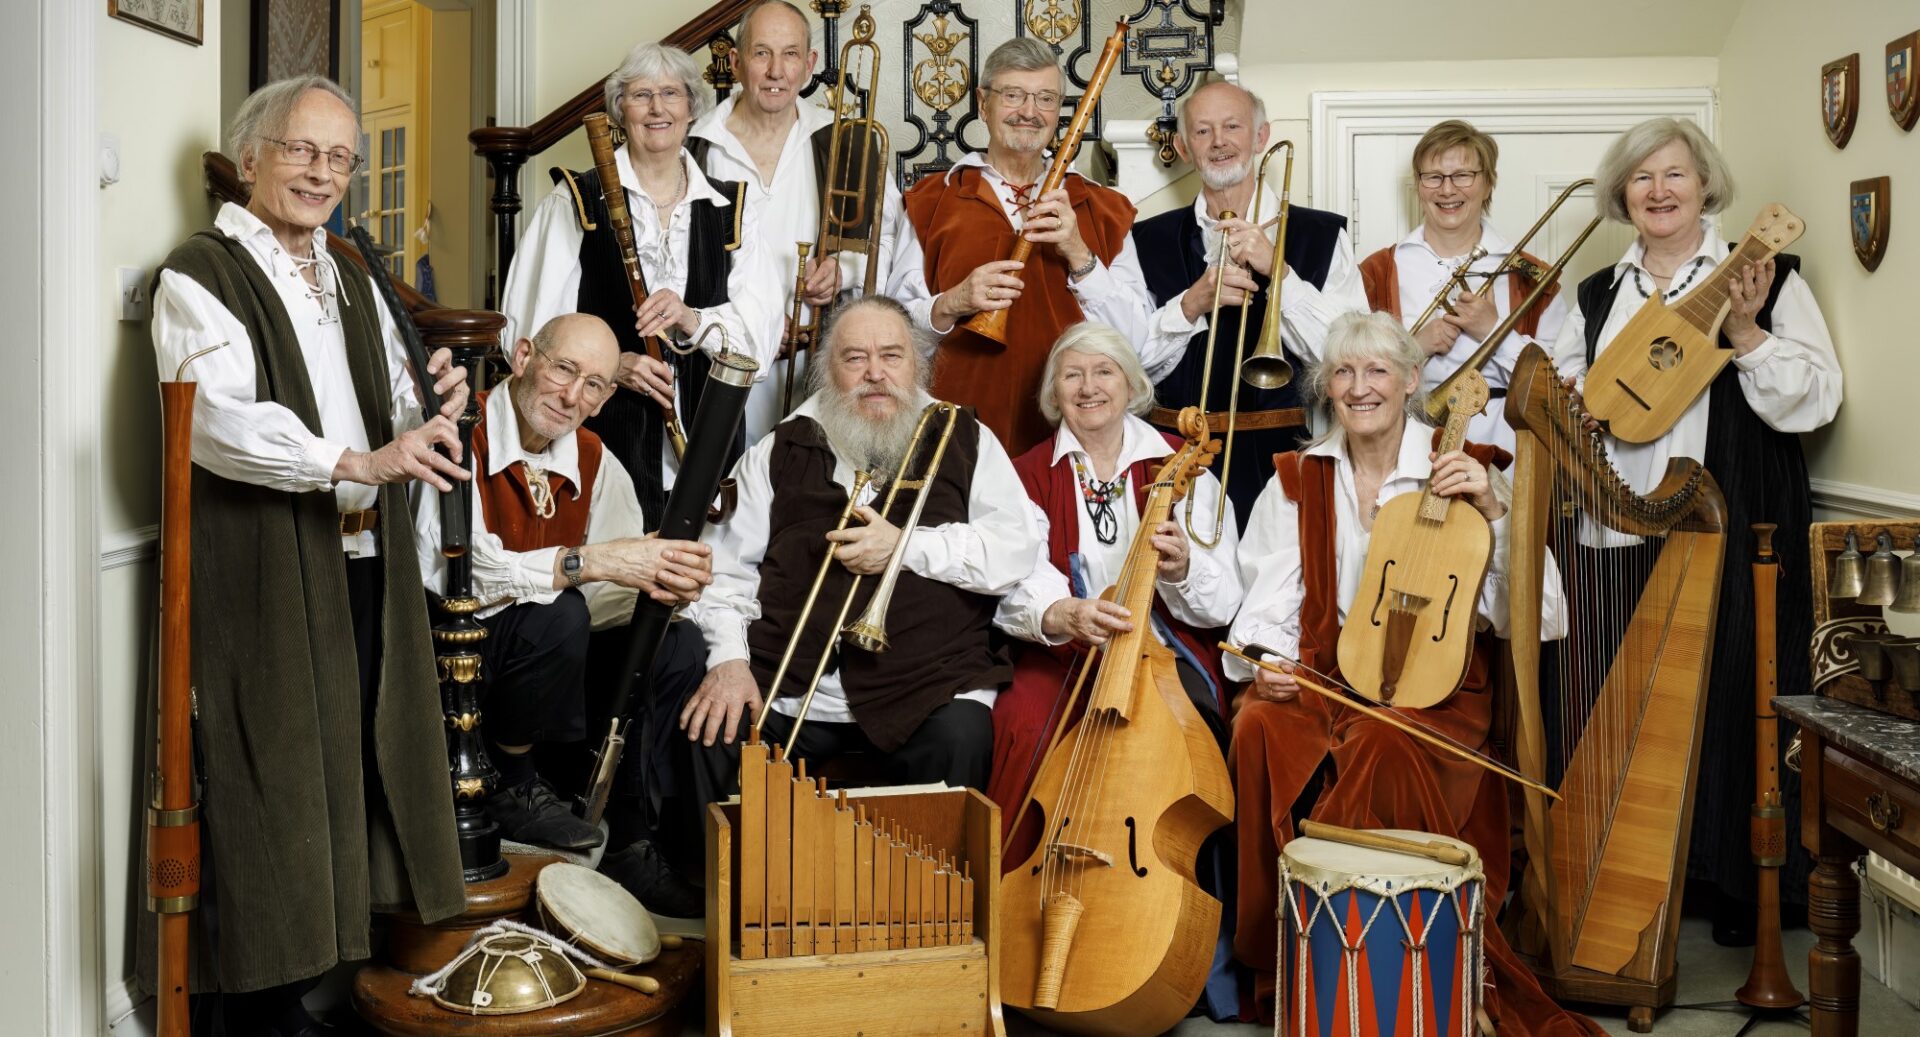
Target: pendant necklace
(1099,498)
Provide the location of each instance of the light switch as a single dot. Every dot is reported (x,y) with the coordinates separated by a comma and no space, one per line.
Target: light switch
(133,293)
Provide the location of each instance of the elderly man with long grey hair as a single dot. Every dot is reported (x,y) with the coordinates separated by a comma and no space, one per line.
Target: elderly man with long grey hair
(319,737)
(1665,178)
(953,259)
(700,259)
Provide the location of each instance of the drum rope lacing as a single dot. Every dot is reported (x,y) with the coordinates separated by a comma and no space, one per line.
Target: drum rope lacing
(430,984)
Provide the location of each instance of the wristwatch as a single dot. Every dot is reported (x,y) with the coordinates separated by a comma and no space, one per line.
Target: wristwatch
(570,566)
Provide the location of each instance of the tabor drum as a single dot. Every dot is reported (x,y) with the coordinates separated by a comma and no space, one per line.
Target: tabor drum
(596,914)
(1375,943)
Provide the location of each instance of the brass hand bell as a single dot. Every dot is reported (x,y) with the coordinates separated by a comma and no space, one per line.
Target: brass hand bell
(1883,573)
(1847,579)
(1908,599)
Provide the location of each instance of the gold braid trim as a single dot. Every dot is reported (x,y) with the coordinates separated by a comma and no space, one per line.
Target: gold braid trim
(579,202)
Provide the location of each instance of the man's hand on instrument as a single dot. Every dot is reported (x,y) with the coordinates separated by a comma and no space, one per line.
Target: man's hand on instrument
(1090,621)
(1271,686)
(668,571)
(1175,552)
(1050,220)
(1235,286)
(1474,314)
(823,280)
(991,286)
(1250,247)
(1437,336)
(1747,292)
(411,455)
(450,382)
(647,376)
(1457,475)
(663,310)
(724,696)
(864,549)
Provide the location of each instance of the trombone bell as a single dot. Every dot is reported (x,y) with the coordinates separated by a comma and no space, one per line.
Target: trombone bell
(1268,368)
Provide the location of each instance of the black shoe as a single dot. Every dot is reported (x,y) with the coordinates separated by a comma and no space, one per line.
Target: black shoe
(532,813)
(645,873)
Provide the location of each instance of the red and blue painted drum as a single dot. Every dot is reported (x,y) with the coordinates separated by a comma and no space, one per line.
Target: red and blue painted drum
(1378,944)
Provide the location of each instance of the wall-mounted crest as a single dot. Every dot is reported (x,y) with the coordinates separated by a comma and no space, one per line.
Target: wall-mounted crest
(1840,97)
(1870,207)
(1903,90)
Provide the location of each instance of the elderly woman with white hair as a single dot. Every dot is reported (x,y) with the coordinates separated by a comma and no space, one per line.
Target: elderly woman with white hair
(1664,177)
(319,739)
(1087,483)
(701,263)
(1301,559)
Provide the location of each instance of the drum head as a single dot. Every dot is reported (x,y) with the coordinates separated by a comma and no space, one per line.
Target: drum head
(1322,862)
(596,914)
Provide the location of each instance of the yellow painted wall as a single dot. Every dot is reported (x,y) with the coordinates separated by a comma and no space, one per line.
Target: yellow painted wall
(1771,131)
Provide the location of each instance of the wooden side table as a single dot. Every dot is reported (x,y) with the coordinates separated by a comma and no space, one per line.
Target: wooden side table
(1860,791)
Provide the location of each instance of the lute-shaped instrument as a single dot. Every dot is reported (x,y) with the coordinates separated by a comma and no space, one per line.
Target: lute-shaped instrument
(1409,633)
(1668,354)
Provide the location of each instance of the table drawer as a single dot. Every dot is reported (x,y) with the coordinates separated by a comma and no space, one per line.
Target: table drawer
(1873,800)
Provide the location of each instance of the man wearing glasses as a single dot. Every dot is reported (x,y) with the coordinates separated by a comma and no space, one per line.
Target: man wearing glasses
(319,736)
(952,258)
(559,547)
(1223,132)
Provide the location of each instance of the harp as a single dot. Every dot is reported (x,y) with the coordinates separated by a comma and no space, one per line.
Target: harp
(1600,897)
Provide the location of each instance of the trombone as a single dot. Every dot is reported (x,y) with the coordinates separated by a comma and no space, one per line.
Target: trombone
(1515,262)
(869,631)
(848,220)
(1267,368)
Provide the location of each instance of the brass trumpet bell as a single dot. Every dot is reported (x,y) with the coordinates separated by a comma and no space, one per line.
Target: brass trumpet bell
(1848,577)
(1908,600)
(1883,573)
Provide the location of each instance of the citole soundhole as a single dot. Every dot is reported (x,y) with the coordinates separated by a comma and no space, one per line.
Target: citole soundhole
(1664,354)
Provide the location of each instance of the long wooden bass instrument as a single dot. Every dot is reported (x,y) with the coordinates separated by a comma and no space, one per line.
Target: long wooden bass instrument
(1666,356)
(1607,863)
(1768,986)
(993,323)
(1106,930)
(1426,559)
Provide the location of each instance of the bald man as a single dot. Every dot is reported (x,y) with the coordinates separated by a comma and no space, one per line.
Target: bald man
(559,548)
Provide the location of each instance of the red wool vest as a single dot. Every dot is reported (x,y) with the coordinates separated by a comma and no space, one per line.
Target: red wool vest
(506,502)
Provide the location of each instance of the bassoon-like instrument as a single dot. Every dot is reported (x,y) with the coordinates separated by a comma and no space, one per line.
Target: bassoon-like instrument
(993,323)
(686,515)
(1768,985)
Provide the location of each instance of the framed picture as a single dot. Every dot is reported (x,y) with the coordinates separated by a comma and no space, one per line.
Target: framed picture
(184,20)
(294,38)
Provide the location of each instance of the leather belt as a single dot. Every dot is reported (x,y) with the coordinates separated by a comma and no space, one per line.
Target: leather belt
(1245,421)
(353,523)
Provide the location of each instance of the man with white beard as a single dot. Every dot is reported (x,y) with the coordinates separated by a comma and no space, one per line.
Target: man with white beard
(1223,132)
(924,706)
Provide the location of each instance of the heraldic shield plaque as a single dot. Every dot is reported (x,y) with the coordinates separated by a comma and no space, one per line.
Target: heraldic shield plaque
(1840,97)
(1903,92)
(1870,205)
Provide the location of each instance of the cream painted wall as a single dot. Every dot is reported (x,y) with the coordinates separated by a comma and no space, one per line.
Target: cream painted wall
(576,43)
(157,203)
(1771,131)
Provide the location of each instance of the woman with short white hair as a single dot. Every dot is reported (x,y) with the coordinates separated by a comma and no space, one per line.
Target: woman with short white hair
(1086,484)
(701,265)
(1664,177)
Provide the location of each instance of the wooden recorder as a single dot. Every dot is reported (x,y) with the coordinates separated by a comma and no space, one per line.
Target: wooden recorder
(833,915)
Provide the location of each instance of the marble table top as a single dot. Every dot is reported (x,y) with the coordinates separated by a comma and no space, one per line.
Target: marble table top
(1886,740)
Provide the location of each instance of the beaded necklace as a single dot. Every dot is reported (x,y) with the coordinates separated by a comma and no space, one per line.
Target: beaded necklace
(1693,270)
(1099,498)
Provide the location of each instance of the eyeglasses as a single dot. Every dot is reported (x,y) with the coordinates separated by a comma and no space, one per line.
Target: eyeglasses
(1462,179)
(1014,97)
(668,97)
(561,374)
(302,153)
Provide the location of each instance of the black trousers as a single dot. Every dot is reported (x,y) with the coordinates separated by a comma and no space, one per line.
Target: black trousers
(954,744)
(534,664)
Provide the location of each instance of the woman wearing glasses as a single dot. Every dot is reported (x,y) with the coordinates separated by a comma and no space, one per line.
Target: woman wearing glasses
(308,622)
(701,265)
(1454,172)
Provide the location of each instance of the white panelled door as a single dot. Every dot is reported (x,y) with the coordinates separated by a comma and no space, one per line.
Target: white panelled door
(1363,144)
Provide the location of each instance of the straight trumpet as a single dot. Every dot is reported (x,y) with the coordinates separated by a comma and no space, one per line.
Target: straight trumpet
(1267,368)
(869,632)
(850,199)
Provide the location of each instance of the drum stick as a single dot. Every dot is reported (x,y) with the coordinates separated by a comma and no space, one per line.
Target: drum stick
(644,984)
(1439,851)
